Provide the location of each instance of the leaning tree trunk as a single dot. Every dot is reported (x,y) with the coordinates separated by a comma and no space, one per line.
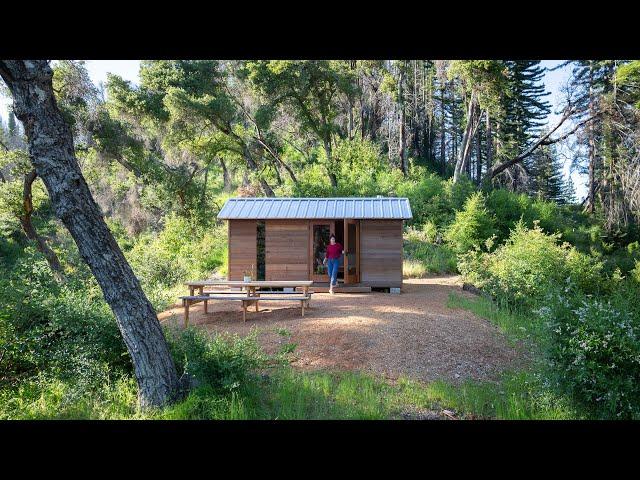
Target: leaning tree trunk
(30,231)
(52,154)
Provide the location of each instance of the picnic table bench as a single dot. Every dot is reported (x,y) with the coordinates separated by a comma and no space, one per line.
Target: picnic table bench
(253,293)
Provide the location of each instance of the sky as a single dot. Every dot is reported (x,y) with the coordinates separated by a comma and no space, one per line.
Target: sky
(128,69)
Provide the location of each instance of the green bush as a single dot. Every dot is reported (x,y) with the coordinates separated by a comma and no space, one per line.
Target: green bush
(595,351)
(423,256)
(529,265)
(66,330)
(472,225)
(180,251)
(222,363)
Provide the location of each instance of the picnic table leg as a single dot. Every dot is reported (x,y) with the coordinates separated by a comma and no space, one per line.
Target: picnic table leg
(244,310)
(305,290)
(186,313)
(302,303)
(206,307)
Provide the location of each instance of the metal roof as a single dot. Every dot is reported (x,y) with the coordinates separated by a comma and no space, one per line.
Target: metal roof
(311,208)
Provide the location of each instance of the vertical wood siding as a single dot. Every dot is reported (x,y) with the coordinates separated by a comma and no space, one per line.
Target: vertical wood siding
(381,252)
(242,247)
(287,249)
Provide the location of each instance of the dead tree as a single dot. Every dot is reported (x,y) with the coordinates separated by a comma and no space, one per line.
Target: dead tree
(51,151)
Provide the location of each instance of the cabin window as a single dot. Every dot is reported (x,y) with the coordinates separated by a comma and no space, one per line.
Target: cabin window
(260,251)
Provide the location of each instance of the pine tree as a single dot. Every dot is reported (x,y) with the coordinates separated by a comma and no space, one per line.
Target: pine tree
(569,193)
(547,181)
(524,109)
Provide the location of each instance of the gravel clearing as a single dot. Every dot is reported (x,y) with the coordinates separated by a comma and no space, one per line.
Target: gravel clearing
(413,334)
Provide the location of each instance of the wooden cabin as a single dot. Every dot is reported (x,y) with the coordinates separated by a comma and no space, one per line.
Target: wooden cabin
(286,238)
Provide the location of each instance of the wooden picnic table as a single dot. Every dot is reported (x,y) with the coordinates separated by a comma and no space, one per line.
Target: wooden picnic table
(250,288)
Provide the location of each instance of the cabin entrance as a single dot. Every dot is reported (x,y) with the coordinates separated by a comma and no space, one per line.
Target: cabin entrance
(347,233)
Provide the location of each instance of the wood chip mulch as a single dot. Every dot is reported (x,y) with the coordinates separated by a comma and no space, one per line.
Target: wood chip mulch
(412,334)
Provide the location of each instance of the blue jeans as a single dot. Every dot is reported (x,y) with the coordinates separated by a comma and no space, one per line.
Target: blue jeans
(332,265)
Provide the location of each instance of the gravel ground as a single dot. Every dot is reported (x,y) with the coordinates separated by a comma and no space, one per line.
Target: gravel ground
(413,334)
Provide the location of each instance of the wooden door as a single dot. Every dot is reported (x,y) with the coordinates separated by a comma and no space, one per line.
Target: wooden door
(319,233)
(351,251)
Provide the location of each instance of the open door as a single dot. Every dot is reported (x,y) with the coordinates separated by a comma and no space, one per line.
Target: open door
(319,239)
(351,251)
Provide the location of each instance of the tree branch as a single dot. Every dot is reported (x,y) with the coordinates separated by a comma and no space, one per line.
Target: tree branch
(543,140)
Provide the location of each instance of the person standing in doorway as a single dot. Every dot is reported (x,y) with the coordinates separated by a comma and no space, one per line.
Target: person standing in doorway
(332,259)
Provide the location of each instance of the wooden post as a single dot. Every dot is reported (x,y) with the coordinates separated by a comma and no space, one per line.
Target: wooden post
(257,304)
(305,290)
(186,313)
(302,303)
(244,310)
(206,307)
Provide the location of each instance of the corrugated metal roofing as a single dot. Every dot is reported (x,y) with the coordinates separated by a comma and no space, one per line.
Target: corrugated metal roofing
(309,208)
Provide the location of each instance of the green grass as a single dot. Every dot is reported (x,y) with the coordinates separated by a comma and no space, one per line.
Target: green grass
(278,391)
(422,258)
(287,394)
(517,326)
(524,394)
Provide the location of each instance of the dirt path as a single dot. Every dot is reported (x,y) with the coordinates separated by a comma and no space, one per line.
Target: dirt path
(413,333)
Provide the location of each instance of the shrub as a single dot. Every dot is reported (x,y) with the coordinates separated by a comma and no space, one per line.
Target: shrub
(595,352)
(529,265)
(422,256)
(507,208)
(223,363)
(472,225)
(179,251)
(67,330)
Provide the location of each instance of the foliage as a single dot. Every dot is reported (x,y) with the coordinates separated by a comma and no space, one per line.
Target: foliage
(64,330)
(595,350)
(529,265)
(220,363)
(472,225)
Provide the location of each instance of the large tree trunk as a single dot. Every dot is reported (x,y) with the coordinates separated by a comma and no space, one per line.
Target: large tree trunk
(443,161)
(52,153)
(402,130)
(489,142)
(327,150)
(591,198)
(469,133)
(226,178)
(479,158)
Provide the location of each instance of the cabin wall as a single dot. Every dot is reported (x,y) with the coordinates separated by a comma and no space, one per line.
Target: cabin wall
(286,249)
(243,251)
(381,253)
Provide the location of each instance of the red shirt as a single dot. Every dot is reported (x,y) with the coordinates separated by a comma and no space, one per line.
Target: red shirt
(334,251)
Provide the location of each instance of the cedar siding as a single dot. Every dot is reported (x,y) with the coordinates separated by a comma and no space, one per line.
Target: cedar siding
(243,250)
(381,253)
(287,250)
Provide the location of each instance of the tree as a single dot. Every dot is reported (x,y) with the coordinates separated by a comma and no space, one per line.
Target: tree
(16,198)
(524,110)
(312,90)
(482,82)
(547,179)
(51,152)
